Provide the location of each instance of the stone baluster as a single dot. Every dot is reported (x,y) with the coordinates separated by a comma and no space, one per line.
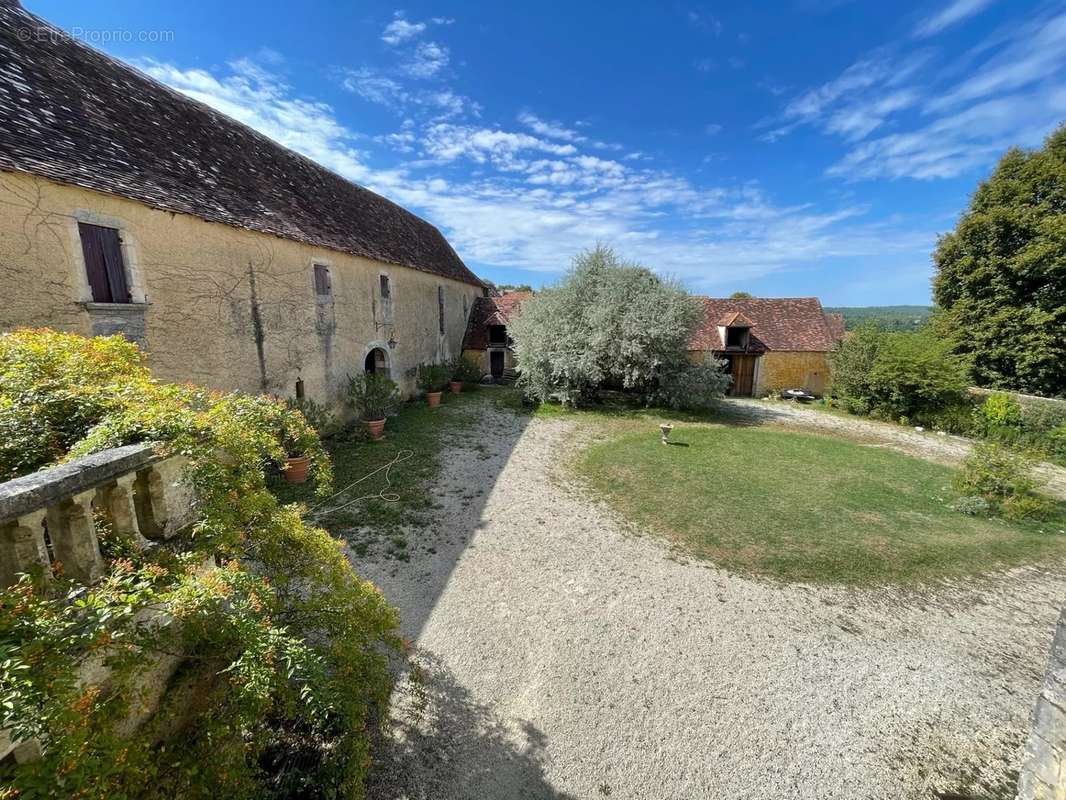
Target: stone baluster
(164,503)
(117,500)
(73,535)
(22,548)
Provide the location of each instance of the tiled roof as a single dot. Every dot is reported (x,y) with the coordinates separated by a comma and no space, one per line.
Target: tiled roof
(735,319)
(76,116)
(788,323)
(490,311)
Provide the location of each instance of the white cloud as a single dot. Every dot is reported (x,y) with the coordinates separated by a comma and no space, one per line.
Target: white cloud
(448,142)
(552,130)
(428,59)
(904,120)
(952,14)
(400,30)
(1034,52)
(954,144)
(712,128)
(512,199)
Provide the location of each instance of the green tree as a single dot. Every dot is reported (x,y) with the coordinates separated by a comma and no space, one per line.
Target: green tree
(612,324)
(898,374)
(741,296)
(1001,274)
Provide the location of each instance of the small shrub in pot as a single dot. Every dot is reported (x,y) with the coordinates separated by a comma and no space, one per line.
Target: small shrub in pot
(432,378)
(373,397)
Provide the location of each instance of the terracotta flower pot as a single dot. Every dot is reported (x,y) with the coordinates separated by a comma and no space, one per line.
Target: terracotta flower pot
(433,399)
(456,386)
(376,428)
(296,468)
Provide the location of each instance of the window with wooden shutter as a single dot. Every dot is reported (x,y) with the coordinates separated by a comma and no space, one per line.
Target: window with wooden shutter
(102,249)
(323,287)
(440,307)
(386,290)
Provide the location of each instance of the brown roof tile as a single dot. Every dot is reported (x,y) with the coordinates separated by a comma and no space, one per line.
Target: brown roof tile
(490,311)
(789,323)
(76,116)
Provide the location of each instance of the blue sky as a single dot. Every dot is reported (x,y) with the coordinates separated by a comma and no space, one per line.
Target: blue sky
(806,147)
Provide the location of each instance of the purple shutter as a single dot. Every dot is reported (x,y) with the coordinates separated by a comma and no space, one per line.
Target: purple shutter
(104,267)
(95,267)
(116,269)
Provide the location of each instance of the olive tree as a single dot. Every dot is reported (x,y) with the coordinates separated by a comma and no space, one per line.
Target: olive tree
(611,324)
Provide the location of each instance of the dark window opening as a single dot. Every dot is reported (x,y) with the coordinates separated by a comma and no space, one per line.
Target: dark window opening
(323,284)
(386,290)
(440,307)
(736,337)
(104,267)
(299,388)
(376,362)
(498,334)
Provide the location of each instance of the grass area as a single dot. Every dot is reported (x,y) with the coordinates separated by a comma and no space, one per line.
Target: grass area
(373,522)
(804,507)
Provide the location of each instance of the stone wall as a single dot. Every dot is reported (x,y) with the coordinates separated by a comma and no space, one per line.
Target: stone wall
(1043,773)
(778,370)
(219,306)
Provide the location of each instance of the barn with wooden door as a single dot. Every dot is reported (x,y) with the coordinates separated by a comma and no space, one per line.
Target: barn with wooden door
(769,344)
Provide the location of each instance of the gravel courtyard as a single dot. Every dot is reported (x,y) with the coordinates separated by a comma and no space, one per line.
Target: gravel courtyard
(562,655)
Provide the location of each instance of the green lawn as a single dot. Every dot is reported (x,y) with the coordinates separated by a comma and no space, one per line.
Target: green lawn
(804,508)
(374,522)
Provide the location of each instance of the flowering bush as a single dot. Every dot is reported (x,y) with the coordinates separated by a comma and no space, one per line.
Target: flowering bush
(282,643)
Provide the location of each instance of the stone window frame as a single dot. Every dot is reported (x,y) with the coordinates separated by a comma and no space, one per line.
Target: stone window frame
(387,305)
(131,260)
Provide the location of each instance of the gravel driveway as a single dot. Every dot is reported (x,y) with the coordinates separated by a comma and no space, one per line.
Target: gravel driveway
(561,655)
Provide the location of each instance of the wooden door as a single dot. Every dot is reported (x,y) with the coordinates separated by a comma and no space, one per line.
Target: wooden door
(496,363)
(742,368)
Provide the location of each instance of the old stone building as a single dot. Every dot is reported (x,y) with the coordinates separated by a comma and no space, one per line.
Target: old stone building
(238,264)
(487,342)
(769,344)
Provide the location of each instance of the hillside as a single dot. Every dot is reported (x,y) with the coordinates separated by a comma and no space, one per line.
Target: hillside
(893,318)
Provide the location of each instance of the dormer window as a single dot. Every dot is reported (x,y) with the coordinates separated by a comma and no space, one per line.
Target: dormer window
(736,337)
(735,330)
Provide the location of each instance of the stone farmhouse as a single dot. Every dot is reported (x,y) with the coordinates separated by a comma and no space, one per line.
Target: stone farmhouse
(487,342)
(238,264)
(769,344)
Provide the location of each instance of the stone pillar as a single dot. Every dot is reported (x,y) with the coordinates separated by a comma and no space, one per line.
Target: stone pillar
(73,535)
(1043,773)
(22,548)
(117,501)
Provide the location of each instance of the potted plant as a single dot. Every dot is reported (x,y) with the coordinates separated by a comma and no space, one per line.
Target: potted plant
(432,378)
(373,397)
(297,462)
(463,371)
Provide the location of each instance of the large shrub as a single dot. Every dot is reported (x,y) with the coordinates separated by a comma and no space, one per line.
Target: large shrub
(283,647)
(1001,274)
(852,365)
(898,375)
(611,324)
(1002,478)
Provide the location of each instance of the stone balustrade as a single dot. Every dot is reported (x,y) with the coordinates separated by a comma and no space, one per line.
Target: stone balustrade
(48,526)
(1043,773)
(48,518)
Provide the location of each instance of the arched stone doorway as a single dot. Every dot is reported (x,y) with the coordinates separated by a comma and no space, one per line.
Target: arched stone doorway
(377,362)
